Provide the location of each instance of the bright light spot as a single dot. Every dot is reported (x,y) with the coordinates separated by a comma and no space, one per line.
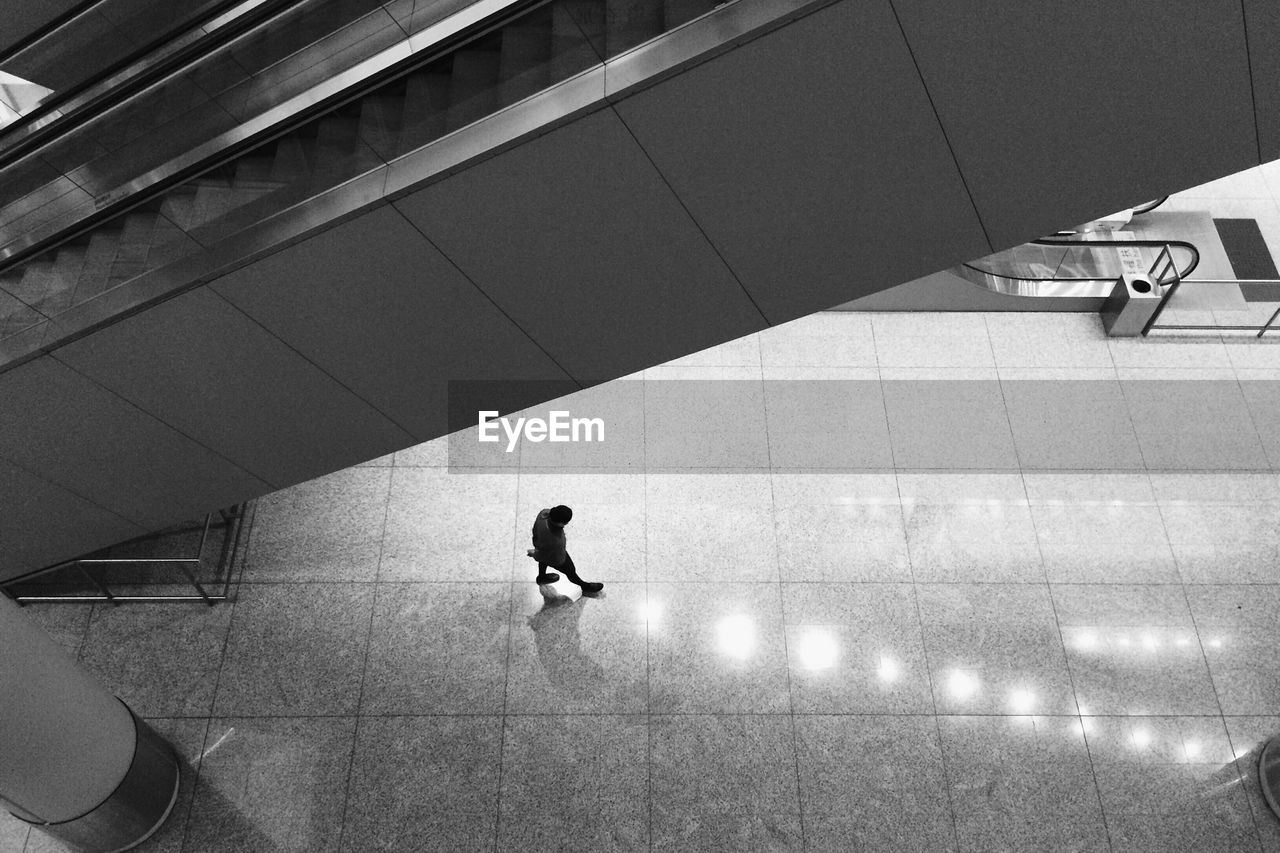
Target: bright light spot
(737,636)
(1086,640)
(962,684)
(1184,641)
(1192,749)
(1216,643)
(1141,738)
(889,669)
(1150,641)
(818,649)
(1022,701)
(1123,640)
(651,612)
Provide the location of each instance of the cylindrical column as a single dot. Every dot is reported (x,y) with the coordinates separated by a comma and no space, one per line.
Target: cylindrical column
(74,760)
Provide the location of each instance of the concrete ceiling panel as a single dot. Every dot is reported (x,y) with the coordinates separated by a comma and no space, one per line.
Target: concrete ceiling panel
(1060,113)
(813,161)
(69,431)
(581,243)
(203,367)
(1262,23)
(375,305)
(42,524)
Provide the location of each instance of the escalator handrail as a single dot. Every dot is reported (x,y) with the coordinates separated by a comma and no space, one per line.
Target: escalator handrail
(117,94)
(1045,241)
(243,143)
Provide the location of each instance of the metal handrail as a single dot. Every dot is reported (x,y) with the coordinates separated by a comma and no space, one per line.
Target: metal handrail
(1261,330)
(232,518)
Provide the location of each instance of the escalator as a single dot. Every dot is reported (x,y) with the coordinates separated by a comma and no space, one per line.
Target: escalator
(561,192)
(1073,268)
(145,205)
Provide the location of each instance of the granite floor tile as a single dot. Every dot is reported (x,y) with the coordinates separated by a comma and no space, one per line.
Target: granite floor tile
(328,529)
(13,833)
(424,783)
(1238,627)
(1249,735)
(163,661)
(729,833)
(67,624)
(1071,424)
(842,542)
(855,649)
(839,526)
(295,650)
(1209,488)
(575,783)
(1263,399)
(1021,783)
(734,774)
(1197,424)
(1166,774)
(449,526)
(717,648)
(437,649)
(933,340)
(710,527)
(578,656)
(826,424)
(1221,543)
(1034,340)
(609,434)
(873,783)
(949,424)
(820,340)
(973,541)
(1105,539)
(1133,649)
(272,784)
(606,537)
(994,649)
(1163,352)
(705,423)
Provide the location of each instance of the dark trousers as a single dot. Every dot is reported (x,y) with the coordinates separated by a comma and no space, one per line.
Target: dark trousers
(566,568)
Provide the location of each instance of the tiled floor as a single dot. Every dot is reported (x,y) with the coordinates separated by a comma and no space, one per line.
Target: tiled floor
(963,582)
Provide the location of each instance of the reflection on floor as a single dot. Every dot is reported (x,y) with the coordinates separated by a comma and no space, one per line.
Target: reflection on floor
(966,638)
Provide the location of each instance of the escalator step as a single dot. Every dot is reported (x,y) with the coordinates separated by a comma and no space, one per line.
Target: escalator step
(473,82)
(523,67)
(425,109)
(99,256)
(630,22)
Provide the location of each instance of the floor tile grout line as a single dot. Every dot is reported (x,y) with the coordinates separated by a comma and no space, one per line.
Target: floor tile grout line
(786,658)
(1066,662)
(506,680)
(648,619)
(364,667)
(915,599)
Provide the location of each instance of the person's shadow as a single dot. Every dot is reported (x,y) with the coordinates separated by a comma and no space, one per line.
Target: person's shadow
(555,633)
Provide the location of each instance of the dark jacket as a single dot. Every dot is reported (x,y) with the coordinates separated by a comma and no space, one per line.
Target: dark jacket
(548,542)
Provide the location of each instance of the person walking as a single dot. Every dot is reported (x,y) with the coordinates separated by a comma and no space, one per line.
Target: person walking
(549,549)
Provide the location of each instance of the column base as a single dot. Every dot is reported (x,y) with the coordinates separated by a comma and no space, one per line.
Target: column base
(138,806)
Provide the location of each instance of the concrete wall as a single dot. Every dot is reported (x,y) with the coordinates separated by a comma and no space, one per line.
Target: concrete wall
(860,146)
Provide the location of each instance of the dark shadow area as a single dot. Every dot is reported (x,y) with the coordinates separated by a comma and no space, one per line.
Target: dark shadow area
(555,632)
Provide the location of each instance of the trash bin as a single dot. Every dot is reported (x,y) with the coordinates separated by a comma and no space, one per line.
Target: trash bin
(1131,305)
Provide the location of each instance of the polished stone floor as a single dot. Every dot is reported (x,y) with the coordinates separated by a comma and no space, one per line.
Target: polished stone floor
(1030,604)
